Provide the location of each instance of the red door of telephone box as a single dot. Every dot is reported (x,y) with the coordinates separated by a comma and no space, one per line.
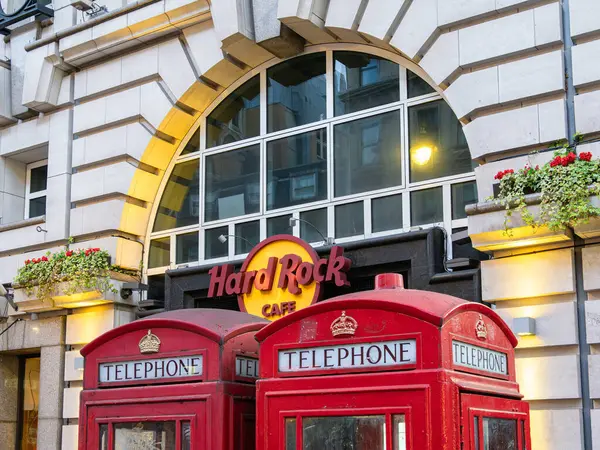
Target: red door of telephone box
(390,369)
(181,380)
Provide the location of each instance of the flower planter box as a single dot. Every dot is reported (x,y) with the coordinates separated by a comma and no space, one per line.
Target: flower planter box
(591,229)
(487,227)
(89,297)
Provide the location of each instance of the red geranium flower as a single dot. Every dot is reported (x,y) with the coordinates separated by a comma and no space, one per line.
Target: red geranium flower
(503,173)
(585,156)
(69,253)
(44,258)
(27,261)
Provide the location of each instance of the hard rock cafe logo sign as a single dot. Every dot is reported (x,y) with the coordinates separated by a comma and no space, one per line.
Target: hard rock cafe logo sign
(280,275)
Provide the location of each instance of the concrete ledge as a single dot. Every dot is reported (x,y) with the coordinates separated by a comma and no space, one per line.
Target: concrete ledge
(23,223)
(487,229)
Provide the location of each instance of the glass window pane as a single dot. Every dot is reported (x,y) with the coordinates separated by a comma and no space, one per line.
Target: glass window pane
(103,440)
(213,247)
(193,144)
(180,202)
(335,433)
(386,213)
(363,81)
(186,436)
(297,169)
(296,92)
(463,194)
(30,383)
(144,436)
(290,434)
(367,154)
(349,220)
(248,235)
(39,179)
(186,247)
(233,183)
(438,147)
(499,434)
(417,85)
(426,206)
(317,217)
(399,432)
(237,117)
(523,435)
(160,252)
(37,207)
(279,225)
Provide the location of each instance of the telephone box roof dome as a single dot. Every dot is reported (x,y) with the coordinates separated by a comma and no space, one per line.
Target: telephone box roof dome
(219,325)
(390,295)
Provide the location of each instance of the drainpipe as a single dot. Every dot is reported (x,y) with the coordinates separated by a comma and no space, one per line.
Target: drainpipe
(584,347)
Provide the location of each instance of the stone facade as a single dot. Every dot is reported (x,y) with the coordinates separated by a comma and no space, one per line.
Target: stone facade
(108,102)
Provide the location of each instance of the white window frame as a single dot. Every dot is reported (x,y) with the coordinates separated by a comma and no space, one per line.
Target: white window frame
(404,188)
(29,195)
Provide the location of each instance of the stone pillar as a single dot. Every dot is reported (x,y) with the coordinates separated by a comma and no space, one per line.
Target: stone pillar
(51,397)
(9,386)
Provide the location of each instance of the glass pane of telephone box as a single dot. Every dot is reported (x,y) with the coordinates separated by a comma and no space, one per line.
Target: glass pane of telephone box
(103,437)
(144,436)
(344,433)
(290,434)
(399,432)
(186,435)
(499,434)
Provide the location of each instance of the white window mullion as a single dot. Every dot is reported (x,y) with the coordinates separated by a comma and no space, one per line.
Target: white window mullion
(406,210)
(331,221)
(172,251)
(368,229)
(263,102)
(447,202)
(329,89)
(296,228)
(231,240)
(330,164)
(403,84)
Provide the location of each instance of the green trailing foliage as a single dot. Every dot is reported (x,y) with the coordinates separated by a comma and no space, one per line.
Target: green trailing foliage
(79,270)
(566,184)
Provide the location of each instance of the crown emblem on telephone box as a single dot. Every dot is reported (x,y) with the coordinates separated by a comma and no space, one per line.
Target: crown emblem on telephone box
(481,328)
(344,325)
(150,343)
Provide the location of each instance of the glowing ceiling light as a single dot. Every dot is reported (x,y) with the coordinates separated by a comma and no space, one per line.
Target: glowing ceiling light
(422,155)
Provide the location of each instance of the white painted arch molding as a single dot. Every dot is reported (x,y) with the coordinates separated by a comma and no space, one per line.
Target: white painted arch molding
(486,56)
(498,63)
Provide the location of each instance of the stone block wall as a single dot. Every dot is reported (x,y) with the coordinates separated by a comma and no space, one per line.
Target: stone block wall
(110,102)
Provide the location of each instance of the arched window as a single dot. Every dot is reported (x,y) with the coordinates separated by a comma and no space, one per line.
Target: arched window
(353,143)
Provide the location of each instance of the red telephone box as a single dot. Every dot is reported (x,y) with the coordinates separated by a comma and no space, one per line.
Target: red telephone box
(180,380)
(390,369)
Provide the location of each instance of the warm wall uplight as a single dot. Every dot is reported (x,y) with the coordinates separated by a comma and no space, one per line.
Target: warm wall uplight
(422,155)
(524,326)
